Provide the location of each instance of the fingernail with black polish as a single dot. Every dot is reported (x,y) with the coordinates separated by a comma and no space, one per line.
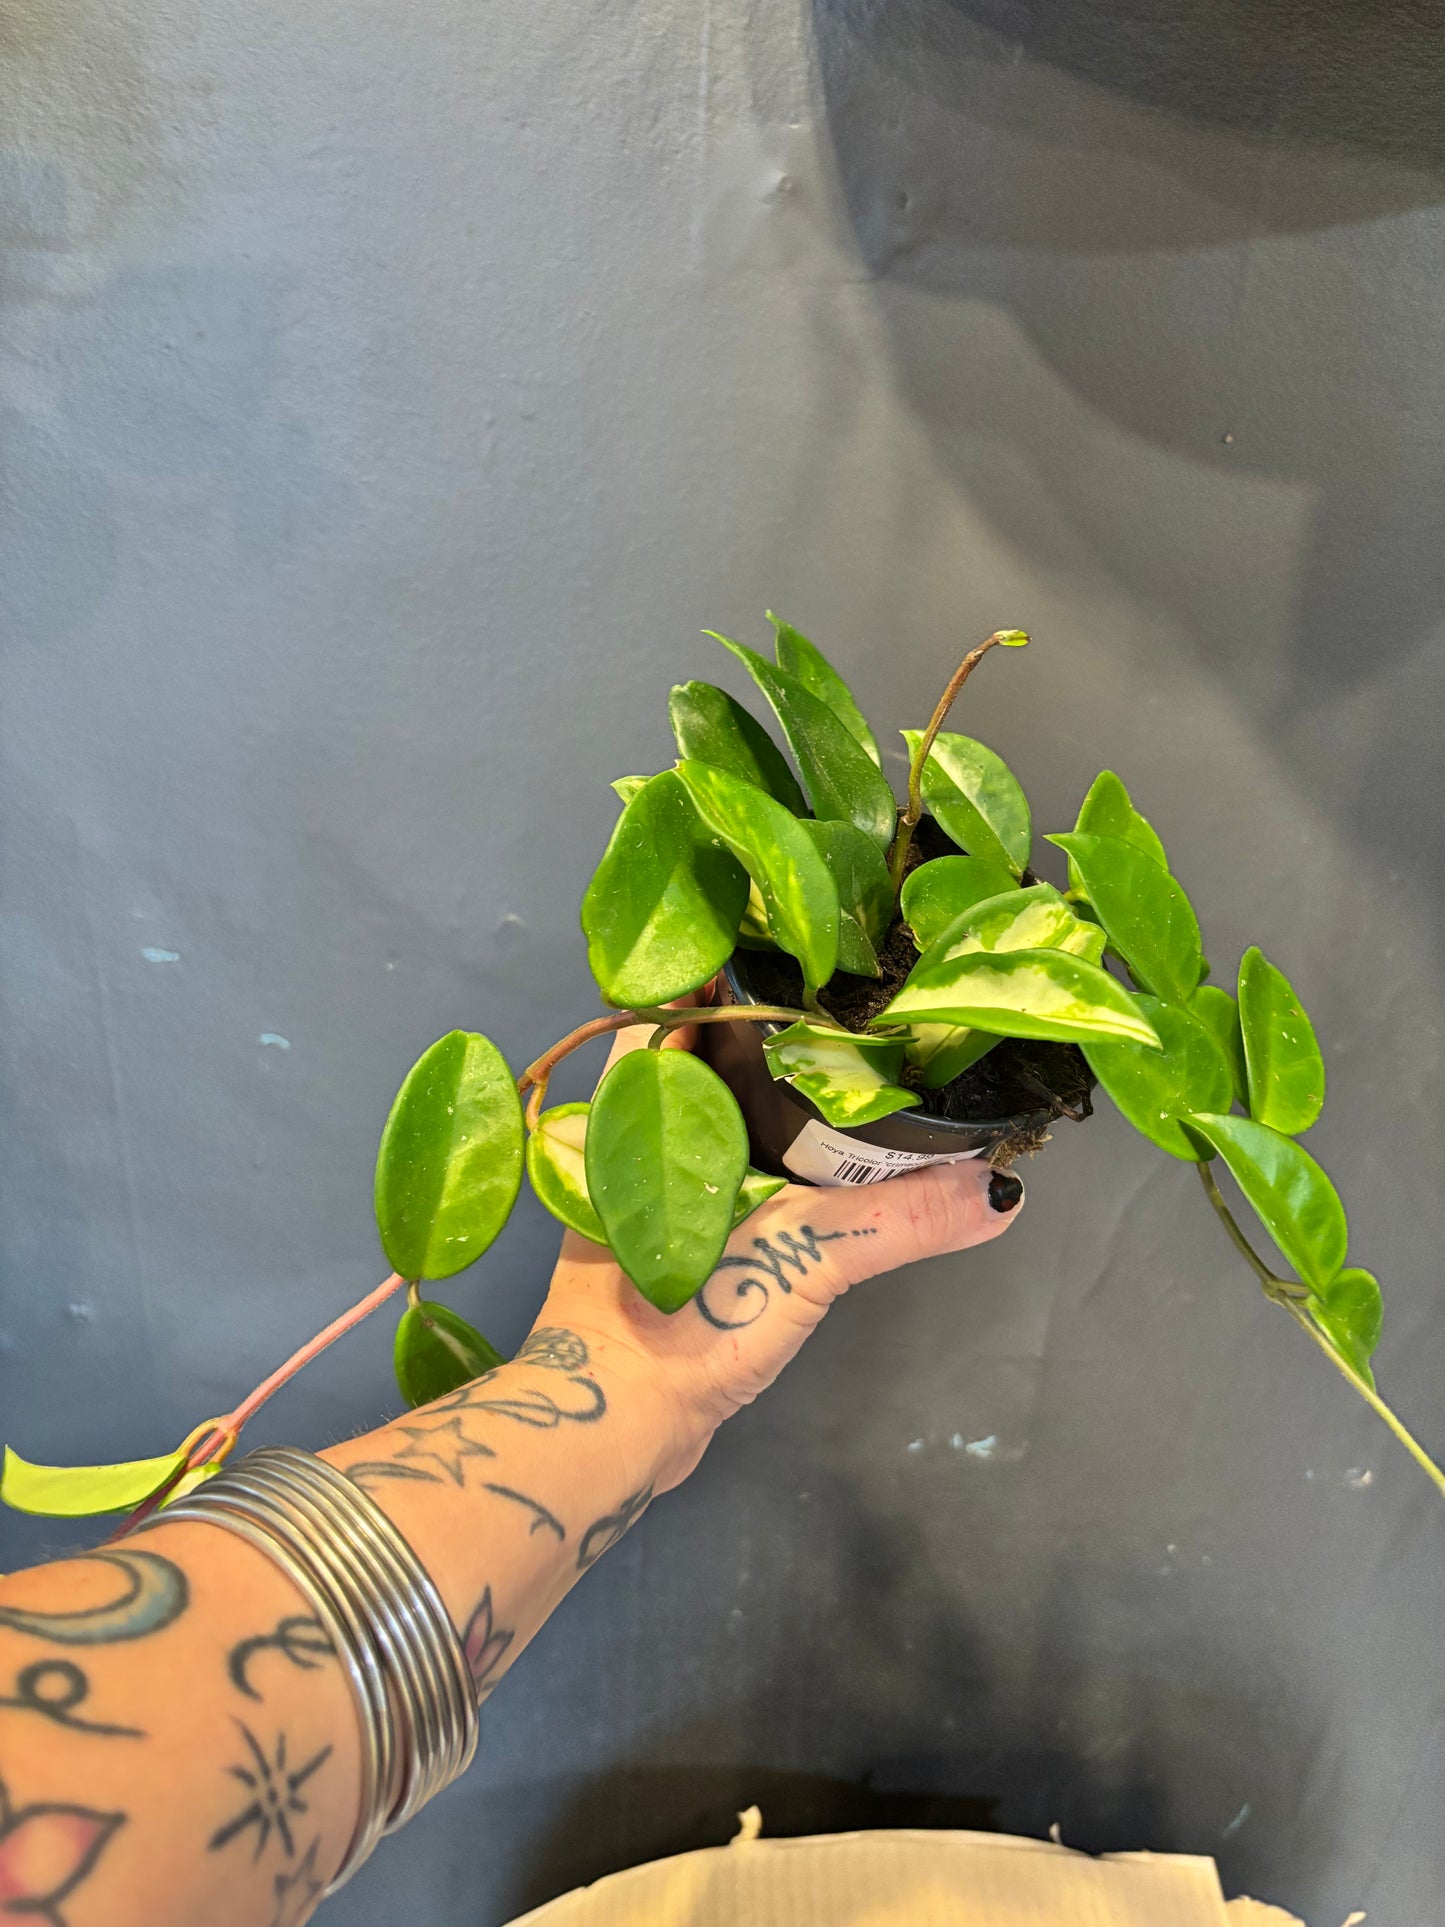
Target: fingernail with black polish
(1004,1191)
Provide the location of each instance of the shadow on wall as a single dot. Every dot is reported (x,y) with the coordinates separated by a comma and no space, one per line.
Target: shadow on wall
(1187,105)
(1208,221)
(866,1685)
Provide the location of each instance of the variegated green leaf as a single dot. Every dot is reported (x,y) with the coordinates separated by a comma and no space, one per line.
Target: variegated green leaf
(1294,1199)
(851,1079)
(865,895)
(842,780)
(937,894)
(757,1187)
(1033,919)
(556,1164)
(1285,1069)
(1218,1012)
(450,1162)
(976,799)
(1020,993)
(941,1052)
(798,894)
(662,910)
(1149,920)
(436,1351)
(711,727)
(1350,1313)
(804,660)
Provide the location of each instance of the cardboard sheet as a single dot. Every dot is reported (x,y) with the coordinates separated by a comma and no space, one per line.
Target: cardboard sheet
(907,1879)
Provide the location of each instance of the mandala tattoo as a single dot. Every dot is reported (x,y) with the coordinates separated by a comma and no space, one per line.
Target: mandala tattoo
(555,1349)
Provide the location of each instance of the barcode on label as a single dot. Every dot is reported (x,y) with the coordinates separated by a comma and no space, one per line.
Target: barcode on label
(854,1171)
(825,1156)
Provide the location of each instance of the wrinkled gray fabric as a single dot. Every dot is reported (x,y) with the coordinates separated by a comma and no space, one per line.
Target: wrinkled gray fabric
(391,395)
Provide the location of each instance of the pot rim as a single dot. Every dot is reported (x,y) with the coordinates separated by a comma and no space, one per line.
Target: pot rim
(949,1126)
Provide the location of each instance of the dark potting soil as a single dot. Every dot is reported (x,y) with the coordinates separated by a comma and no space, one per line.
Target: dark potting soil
(1019,1076)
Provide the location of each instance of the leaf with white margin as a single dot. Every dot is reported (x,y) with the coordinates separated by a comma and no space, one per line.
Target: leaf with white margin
(975,798)
(1021,993)
(1033,919)
(851,1079)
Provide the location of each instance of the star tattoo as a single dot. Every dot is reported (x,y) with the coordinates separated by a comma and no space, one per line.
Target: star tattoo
(276,1795)
(447,1444)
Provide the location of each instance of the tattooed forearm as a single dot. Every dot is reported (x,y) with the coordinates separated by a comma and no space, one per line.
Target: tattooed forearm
(54,1688)
(604,1533)
(366,1472)
(46,1851)
(531,1405)
(435,1451)
(485,1646)
(432,1454)
(772,1259)
(298,1637)
(551,1348)
(155,1594)
(275,1789)
(298,1890)
(540,1515)
(442,1448)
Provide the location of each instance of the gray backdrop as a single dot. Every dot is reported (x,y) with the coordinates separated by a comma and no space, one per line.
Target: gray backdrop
(391,394)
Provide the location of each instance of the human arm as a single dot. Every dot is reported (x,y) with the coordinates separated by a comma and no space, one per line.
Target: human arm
(187,1748)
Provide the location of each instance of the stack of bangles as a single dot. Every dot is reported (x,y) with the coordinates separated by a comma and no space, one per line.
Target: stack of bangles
(393,1636)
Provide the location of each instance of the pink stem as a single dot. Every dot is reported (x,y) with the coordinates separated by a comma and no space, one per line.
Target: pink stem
(338,1328)
(221,1436)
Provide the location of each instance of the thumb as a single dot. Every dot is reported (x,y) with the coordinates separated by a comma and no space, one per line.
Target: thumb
(873,1228)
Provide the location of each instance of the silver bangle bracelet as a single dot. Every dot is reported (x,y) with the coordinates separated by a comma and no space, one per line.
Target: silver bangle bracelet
(404,1664)
(435,1680)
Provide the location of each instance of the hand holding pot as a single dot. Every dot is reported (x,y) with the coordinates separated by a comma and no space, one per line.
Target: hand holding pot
(783,1268)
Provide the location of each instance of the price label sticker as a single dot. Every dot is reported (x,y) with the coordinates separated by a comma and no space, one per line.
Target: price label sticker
(830,1158)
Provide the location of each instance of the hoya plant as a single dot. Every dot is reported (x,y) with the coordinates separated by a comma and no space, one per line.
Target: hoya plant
(915,942)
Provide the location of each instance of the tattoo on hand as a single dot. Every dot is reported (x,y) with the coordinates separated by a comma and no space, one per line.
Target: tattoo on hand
(297,1890)
(276,1795)
(540,1515)
(555,1349)
(485,1646)
(155,1594)
(772,1256)
(299,1637)
(53,1688)
(46,1851)
(604,1533)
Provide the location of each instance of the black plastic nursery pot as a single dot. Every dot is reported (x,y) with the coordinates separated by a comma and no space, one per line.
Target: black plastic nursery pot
(790,1138)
